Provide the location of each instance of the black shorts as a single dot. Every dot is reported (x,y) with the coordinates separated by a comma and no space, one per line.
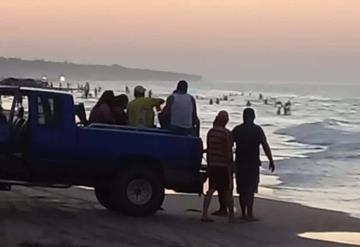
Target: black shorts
(247,179)
(219,178)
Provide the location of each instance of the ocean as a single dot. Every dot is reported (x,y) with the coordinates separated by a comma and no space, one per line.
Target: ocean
(316,148)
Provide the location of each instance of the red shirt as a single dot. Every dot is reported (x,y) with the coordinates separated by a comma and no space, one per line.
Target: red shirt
(219,147)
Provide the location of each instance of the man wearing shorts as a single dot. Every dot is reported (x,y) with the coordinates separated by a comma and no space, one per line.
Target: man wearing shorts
(220,164)
(248,137)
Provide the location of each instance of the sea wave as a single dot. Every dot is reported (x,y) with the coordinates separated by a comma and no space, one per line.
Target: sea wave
(338,143)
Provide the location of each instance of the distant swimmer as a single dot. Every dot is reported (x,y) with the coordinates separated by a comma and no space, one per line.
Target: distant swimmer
(279,106)
(266,101)
(217,101)
(211,102)
(261,96)
(248,103)
(287,108)
(127,90)
(225,98)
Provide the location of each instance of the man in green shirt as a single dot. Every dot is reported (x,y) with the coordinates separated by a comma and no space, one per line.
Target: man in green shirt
(141,109)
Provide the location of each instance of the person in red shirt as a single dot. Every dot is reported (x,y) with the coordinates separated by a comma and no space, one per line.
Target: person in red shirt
(220,164)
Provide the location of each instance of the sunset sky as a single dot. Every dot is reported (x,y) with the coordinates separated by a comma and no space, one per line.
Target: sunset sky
(230,39)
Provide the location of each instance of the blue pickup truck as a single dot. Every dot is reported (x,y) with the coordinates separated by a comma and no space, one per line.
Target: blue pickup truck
(43,144)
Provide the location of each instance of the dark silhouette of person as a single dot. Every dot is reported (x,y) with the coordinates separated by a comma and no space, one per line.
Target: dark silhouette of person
(248,137)
(279,106)
(86,90)
(287,108)
(119,109)
(101,112)
(2,115)
(248,103)
(211,101)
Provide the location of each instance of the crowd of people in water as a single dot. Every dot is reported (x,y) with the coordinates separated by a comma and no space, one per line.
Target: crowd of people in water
(179,115)
(281,108)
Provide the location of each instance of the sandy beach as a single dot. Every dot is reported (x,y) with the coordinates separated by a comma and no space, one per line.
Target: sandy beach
(42,217)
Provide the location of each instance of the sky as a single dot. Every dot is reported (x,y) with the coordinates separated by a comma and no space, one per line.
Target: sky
(315,40)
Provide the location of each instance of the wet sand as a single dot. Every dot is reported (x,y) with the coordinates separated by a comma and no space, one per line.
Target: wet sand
(41,217)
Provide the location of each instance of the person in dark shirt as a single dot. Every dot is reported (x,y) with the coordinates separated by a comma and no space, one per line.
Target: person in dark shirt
(119,109)
(2,115)
(248,137)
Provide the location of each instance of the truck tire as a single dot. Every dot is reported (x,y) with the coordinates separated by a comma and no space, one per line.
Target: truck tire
(103,195)
(138,192)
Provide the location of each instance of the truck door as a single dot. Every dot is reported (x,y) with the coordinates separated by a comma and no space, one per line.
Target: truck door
(53,136)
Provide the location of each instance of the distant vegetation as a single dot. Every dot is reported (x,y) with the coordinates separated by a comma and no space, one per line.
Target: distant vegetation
(15,67)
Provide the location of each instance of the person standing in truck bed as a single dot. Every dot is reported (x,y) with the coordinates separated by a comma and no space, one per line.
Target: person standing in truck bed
(181,110)
(141,109)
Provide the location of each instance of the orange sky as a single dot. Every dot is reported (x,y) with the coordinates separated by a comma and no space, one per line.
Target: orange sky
(188,35)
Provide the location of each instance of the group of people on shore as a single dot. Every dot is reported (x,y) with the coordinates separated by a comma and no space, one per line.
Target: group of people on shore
(248,137)
(178,115)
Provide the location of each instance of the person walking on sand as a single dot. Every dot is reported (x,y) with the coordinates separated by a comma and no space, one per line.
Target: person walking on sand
(220,164)
(248,137)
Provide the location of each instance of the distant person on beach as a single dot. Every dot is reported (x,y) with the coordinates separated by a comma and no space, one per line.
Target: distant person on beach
(102,112)
(220,164)
(127,90)
(181,110)
(150,93)
(119,109)
(211,102)
(95,92)
(279,106)
(248,137)
(141,109)
(86,90)
(248,103)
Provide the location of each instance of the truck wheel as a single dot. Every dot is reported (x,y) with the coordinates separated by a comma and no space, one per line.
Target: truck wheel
(103,195)
(139,192)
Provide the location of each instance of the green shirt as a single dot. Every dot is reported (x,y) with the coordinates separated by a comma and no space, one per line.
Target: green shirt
(141,112)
